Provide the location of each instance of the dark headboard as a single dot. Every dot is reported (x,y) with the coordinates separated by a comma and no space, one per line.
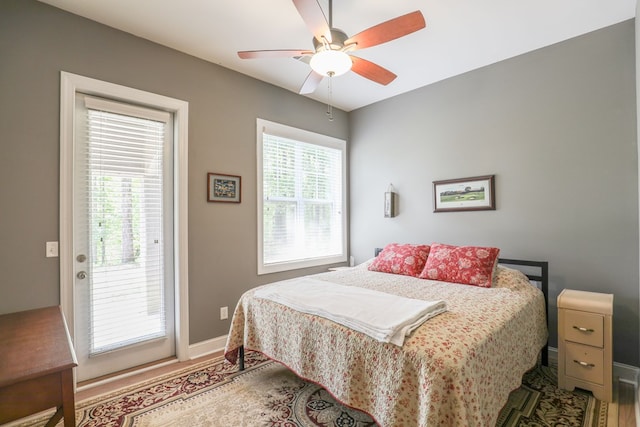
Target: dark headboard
(542,277)
(540,274)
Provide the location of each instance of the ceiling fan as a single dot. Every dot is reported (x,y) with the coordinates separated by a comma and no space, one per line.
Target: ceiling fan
(331,56)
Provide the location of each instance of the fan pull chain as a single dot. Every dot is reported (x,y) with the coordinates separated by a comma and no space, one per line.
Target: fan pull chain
(330,103)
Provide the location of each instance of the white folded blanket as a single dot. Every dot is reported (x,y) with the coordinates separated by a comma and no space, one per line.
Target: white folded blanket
(385,317)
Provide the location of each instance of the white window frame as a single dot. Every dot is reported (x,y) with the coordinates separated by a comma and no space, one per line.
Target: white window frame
(277,129)
(70,84)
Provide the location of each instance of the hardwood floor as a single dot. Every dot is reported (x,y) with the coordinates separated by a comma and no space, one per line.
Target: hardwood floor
(625,391)
(626,405)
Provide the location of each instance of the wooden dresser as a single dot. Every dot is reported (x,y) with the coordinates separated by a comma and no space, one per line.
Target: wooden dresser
(585,342)
(36,366)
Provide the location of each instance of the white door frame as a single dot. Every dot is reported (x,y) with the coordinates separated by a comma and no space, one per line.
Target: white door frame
(69,85)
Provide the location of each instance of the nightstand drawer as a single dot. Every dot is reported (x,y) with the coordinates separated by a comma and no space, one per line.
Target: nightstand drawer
(584,362)
(584,328)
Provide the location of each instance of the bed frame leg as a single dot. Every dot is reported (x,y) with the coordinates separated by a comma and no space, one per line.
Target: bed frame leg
(241,358)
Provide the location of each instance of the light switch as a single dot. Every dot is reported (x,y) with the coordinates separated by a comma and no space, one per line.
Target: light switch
(52,249)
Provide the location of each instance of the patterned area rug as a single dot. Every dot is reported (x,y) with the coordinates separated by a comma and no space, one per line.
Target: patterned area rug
(539,402)
(267,394)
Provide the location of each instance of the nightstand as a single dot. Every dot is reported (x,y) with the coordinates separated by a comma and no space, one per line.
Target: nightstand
(585,351)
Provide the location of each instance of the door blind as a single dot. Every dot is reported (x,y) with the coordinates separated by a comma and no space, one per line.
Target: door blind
(123,160)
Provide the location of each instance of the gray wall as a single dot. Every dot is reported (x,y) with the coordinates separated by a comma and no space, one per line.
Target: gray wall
(36,43)
(637,40)
(558,129)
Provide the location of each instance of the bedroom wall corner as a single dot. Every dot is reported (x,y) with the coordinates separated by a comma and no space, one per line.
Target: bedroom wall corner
(557,126)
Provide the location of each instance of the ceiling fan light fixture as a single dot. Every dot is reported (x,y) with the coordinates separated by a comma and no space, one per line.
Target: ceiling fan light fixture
(331,62)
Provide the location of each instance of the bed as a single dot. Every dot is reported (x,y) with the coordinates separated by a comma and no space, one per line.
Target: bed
(457,368)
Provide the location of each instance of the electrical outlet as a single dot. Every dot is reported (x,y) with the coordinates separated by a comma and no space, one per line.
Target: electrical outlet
(224,313)
(52,249)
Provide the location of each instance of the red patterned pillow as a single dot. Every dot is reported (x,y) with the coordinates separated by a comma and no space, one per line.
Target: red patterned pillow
(469,265)
(403,259)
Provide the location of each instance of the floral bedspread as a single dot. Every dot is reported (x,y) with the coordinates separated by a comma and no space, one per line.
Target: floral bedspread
(457,369)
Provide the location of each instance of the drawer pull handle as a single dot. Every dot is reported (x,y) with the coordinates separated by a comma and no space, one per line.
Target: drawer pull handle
(585,364)
(581,329)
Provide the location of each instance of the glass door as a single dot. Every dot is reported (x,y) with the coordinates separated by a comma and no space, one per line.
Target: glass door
(123,232)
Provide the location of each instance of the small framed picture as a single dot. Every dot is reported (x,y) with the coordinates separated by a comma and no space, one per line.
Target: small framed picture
(464,194)
(223,188)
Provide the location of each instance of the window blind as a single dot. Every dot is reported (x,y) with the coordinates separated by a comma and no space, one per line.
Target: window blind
(123,161)
(302,217)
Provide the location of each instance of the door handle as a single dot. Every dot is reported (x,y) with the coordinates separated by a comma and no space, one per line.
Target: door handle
(81,275)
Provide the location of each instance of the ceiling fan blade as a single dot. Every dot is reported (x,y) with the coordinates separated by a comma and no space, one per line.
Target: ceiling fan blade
(371,71)
(388,30)
(314,18)
(281,53)
(311,83)
(306,59)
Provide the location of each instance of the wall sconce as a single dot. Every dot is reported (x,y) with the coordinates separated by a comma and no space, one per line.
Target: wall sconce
(390,202)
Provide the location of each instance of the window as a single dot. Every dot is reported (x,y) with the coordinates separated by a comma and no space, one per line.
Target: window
(301,198)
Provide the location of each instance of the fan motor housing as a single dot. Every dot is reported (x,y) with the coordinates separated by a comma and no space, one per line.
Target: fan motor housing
(338,37)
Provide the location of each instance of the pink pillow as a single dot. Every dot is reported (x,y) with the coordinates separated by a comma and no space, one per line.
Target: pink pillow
(404,259)
(469,265)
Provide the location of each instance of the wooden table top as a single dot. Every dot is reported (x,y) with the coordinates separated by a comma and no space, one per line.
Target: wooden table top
(34,343)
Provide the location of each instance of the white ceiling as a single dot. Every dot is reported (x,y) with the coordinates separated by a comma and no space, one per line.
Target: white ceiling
(461,35)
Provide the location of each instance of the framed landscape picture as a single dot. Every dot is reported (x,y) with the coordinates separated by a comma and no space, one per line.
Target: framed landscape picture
(223,188)
(464,194)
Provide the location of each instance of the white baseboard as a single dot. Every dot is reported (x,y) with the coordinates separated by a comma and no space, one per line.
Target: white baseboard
(626,373)
(207,347)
